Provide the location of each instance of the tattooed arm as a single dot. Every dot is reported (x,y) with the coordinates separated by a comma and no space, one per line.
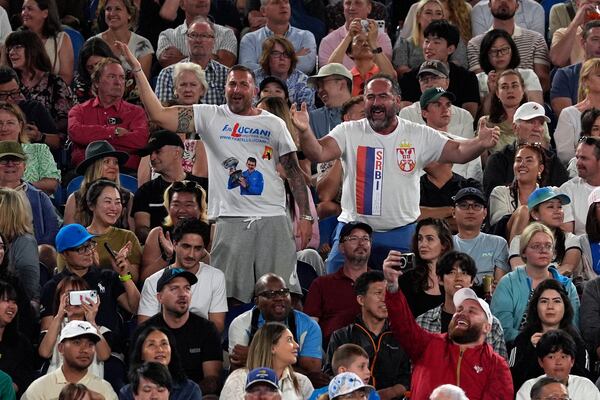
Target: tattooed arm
(289,162)
(175,119)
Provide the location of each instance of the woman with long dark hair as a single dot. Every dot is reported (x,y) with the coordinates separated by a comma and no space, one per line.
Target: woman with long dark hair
(156,344)
(508,202)
(91,53)
(24,52)
(17,352)
(549,308)
(420,285)
(41,17)
(509,95)
(497,53)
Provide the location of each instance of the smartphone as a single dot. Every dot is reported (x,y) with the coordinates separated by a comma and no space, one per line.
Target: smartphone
(77,296)
(110,251)
(380,26)
(406,262)
(365,24)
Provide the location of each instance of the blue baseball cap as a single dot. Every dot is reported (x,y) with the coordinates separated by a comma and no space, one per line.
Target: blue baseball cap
(264,375)
(71,236)
(544,194)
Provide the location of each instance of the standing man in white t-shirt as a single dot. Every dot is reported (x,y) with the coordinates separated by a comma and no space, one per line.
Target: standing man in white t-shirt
(253,234)
(383,157)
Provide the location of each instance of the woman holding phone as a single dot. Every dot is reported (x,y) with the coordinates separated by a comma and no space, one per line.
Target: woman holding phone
(70,306)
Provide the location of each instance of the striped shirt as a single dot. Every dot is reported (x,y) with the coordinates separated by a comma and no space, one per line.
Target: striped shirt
(176,37)
(531,45)
(216,76)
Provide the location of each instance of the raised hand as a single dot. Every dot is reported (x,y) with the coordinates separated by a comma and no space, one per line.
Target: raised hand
(488,136)
(300,118)
(131,60)
(166,244)
(391,270)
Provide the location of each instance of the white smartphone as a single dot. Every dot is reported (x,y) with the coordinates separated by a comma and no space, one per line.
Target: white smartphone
(76,297)
(380,26)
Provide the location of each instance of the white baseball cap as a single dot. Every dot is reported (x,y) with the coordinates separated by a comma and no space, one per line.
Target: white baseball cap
(468,294)
(530,110)
(75,329)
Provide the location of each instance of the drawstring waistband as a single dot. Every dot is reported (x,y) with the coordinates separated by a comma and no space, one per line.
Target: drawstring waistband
(250,221)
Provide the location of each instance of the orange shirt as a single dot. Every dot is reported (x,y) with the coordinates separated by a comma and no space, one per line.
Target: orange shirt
(358,83)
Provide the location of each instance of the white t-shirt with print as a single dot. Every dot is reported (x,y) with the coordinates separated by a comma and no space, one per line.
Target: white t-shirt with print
(229,140)
(381,172)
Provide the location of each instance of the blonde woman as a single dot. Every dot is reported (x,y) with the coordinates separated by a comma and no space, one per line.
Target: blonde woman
(101,161)
(458,12)
(408,52)
(568,128)
(41,170)
(16,224)
(273,346)
(510,299)
(189,86)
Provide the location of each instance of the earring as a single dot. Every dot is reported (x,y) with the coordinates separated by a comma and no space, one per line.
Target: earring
(539,177)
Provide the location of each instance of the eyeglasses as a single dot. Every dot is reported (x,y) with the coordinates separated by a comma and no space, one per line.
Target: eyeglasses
(11,123)
(200,36)
(430,78)
(548,247)
(85,248)
(271,294)
(552,397)
(356,239)
(13,94)
(463,205)
(14,47)
(11,160)
(499,52)
(279,54)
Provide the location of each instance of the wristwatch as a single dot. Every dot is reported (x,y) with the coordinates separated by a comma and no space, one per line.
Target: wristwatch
(307,218)
(377,50)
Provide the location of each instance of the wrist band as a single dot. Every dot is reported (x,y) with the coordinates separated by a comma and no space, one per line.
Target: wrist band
(126,277)
(136,70)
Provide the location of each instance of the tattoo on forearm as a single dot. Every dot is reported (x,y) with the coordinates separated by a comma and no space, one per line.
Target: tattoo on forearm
(185,119)
(289,162)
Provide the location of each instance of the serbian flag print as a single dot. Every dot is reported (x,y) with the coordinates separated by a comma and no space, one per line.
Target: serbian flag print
(369,180)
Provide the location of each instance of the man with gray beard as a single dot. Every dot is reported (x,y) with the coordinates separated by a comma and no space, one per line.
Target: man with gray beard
(331,299)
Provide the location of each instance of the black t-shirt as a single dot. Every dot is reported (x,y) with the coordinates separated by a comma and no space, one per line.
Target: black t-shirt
(446,318)
(149,198)
(418,301)
(432,196)
(151,24)
(463,84)
(16,359)
(197,341)
(109,287)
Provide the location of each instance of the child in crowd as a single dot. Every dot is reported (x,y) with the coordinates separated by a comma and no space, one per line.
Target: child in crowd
(349,358)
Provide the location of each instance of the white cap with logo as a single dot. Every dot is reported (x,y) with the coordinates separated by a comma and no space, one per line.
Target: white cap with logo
(530,110)
(468,294)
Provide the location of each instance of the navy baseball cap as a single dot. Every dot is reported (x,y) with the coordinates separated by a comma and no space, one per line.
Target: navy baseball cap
(350,226)
(264,375)
(470,193)
(171,273)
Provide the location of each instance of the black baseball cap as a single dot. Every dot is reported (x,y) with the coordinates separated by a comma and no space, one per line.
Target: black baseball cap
(159,139)
(350,226)
(171,273)
(470,193)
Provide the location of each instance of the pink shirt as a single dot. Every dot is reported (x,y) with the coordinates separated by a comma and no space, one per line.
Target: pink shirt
(331,41)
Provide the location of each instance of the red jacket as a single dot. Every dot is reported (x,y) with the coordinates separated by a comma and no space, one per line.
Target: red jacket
(436,360)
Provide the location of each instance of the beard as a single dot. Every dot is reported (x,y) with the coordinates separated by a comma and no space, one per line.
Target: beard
(503,14)
(464,336)
(381,124)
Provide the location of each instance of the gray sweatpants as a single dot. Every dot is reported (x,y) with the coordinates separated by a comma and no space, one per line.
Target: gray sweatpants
(246,248)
